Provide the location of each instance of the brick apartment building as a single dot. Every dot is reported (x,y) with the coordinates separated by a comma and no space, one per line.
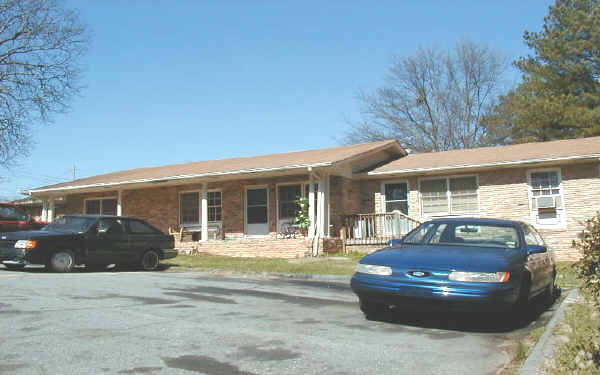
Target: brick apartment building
(365,193)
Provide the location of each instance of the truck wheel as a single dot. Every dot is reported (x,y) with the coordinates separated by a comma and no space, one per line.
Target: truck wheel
(62,261)
(150,260)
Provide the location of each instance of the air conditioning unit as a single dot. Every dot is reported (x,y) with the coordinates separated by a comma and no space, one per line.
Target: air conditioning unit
(546,202)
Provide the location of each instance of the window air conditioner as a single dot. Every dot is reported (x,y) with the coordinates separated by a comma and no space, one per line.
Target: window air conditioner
(546,202)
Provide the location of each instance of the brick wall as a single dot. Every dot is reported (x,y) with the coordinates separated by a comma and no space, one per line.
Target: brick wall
(251,247)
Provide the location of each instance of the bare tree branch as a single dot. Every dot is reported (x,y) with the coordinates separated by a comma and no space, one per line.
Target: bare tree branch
(41,44)
(434,100)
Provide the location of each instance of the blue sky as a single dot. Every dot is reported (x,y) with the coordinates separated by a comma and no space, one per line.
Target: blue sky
(177,81)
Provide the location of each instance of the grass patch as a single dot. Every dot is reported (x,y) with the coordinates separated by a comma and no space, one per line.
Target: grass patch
(581,353)
(521,348)
(566,277)
(307,266)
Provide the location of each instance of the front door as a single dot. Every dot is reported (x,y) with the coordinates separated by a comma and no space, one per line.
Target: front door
(257,212)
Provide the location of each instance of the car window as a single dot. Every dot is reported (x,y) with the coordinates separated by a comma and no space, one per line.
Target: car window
(139,227)
(11,213)
(473,234)
(531,237)
(111,226)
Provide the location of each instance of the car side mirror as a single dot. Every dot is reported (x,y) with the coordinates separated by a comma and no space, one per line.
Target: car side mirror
(395,242)
(536,249)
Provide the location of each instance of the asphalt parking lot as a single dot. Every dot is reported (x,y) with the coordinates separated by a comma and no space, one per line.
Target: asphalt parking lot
(182,323)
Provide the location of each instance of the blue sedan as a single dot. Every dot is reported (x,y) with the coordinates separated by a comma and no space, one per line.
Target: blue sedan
(458,263)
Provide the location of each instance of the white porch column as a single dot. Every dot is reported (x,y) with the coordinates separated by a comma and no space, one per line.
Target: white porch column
(120,203)
(204,213)
(51,210)
(321,206)
(311,205)
(326,207)
(44,210)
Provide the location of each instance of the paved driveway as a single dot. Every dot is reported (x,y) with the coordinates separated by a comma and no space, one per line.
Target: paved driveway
(182,323)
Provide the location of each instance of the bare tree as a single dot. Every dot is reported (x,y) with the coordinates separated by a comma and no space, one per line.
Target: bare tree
(434,100)
(40,46)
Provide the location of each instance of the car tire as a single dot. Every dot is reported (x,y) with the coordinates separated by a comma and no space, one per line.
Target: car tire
(549,294)
(61,261)
(14,267)
(372,308)
(522,303)
(150,260)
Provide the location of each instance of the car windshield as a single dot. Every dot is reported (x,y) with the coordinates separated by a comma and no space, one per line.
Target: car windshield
(464,234)
(70,224)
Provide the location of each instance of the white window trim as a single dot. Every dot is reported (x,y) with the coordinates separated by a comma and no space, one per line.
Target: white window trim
(390,182)
(99,199)
(186,225)
(449,203)
(562,222)
(304,184)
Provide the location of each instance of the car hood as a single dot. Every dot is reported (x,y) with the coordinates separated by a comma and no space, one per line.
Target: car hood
(34,235)
(447,258)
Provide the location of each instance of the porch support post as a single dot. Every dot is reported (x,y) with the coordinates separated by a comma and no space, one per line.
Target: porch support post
(311,204)
(204,213)
(44,210)
(120,203)
(50,212)
(321,206)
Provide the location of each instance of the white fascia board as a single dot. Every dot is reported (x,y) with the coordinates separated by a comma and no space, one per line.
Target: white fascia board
(484,165)
(178,177)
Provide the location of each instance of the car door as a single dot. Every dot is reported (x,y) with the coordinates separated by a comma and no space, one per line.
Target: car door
(535,262)
(548,263)
(106,241)
(142,237)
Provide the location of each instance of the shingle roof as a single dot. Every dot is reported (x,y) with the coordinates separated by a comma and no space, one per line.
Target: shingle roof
(494,156)
(262,163)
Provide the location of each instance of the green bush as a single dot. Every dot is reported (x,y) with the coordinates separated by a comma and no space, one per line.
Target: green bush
(587,267)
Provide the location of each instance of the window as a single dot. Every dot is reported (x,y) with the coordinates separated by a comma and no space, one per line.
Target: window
(396,197)
(11,213)
(288,195)
(102,206)
(546,198)
(214,206)
(138,227)
(190,208)
(449,196)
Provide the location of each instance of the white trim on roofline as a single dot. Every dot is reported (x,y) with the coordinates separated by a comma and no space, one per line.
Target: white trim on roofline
(493,164)
(179,177)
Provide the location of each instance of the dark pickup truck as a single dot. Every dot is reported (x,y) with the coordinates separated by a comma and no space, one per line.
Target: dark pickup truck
(93,240)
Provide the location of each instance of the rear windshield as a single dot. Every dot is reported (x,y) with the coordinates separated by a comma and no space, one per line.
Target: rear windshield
(70,224)
(464,234)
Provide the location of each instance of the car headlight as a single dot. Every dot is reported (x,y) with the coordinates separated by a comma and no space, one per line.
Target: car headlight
(25,244)
(374,270)
(480,277)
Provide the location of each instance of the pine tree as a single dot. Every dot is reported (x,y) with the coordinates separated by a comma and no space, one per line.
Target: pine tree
(560,94)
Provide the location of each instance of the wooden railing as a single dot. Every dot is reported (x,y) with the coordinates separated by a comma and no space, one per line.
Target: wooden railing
(375,229)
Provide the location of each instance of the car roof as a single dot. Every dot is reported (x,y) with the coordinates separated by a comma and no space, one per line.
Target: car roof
(94,216)
(476,220)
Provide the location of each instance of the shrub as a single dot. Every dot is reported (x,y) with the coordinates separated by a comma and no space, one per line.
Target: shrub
(587,267)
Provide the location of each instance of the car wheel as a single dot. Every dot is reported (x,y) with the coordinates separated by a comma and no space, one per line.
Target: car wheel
(549,294)
(150,260)
(14,267)
(62,261)
(522,303)
(372,308)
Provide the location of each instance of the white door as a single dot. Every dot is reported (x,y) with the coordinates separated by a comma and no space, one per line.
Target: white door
(257,212)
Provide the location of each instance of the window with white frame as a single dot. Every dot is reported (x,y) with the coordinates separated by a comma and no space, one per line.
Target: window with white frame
(546,197)
(288,196)
(449,196)
(190,207)
(396,197)
(101,206)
